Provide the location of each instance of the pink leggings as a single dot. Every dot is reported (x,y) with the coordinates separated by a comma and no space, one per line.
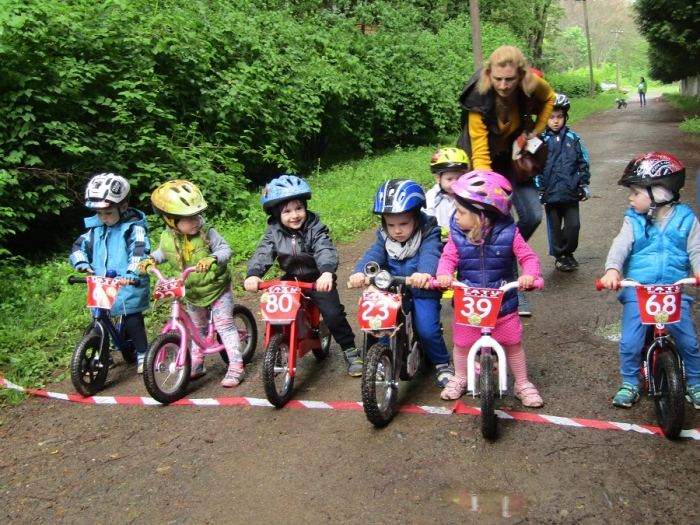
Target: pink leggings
(222,309)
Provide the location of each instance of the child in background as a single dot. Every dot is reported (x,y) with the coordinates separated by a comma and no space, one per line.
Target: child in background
(447,165)
(563,184)
(189,241)
(659,243)
(484,241)
(408,244)
(299,241)
(117,239)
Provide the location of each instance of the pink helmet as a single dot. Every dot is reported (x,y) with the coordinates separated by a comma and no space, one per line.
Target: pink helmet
(485,190)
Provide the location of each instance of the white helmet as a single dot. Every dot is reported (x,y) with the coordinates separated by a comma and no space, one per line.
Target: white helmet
(106,190)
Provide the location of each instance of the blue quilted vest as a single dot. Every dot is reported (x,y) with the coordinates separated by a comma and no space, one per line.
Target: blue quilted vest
(660,256)
(490,264)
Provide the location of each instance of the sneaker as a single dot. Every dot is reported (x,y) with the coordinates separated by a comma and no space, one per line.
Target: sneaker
(563,264)
(139,363)
(445,372)
(573,262)
(528,394)
(628,395)
(353,357)
(692,394)
(454,389)
(197,369)
(234,376)
(523,307)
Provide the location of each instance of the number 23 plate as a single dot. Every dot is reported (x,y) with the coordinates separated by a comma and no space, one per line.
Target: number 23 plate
(378,310)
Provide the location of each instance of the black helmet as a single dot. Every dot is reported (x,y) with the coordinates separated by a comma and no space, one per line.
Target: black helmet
(562,102)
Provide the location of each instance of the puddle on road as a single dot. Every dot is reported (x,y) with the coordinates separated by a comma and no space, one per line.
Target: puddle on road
(610,332)
(492,503)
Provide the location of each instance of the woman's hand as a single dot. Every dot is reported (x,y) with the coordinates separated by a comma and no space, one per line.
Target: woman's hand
(251,283)
(325,282)
(357,280)
(610,279)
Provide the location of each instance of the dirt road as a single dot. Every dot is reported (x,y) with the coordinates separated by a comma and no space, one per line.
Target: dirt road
(109,464)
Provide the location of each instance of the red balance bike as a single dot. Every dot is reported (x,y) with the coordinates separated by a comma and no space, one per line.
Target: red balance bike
(293,327)
(662,364)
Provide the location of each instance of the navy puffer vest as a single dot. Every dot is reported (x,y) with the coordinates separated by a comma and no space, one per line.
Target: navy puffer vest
(490,264)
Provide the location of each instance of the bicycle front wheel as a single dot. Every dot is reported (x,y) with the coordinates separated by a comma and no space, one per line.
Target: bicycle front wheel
(379,391)
(276,377)
(90,364)
(165,381)
(488,410)
(670,397)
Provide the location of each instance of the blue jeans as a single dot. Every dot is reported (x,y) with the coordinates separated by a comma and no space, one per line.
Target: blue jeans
(426,322)
(633,336)
(527,204)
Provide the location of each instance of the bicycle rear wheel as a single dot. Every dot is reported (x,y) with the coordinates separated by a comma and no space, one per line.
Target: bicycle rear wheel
(164,380)
(324,334)
(488,414)
(670,395)
(244,321)
(90,364)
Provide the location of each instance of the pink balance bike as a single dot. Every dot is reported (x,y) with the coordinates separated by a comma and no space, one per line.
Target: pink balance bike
(662,364)
(167,364)
(293,327)
(478,308)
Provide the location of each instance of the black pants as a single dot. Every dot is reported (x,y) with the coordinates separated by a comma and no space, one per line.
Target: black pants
(136,330)
(333,313)
(563,226)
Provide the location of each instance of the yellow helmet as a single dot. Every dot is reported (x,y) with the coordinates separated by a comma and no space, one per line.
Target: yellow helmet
(449,159)
(177,198)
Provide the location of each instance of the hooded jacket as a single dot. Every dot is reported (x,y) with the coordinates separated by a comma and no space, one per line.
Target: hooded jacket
(567,167)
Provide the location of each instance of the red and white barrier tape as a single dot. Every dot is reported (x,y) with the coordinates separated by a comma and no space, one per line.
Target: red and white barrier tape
(458,408)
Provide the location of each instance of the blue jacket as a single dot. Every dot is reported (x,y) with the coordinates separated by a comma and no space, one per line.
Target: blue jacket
(489,264)
(567,167)
(660,257)
(120,247)
(425,261)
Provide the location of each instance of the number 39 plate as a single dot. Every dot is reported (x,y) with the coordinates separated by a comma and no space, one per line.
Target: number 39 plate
(477,306)
(659,304)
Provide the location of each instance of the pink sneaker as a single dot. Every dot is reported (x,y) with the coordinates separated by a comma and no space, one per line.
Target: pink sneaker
(454,389)
(528,394)
(234,376)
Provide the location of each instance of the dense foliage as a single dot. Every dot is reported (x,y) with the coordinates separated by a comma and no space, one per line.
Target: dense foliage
(222,93)
(671,28)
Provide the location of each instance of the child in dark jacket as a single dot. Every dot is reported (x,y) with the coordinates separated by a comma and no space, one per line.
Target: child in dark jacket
(117,239)
(299,241)
(408,244)
(484,241)
(563,184)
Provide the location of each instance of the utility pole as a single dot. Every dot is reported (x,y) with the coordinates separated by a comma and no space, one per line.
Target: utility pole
(588,44)
(476,33)
(617,57)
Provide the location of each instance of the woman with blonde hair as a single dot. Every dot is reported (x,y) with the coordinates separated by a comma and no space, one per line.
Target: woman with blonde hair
(498,99)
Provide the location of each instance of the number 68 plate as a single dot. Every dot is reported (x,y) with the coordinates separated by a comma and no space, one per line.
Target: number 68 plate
(477,306)
(659,304)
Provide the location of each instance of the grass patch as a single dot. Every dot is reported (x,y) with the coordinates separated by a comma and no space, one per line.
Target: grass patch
(691,106)
(44,317)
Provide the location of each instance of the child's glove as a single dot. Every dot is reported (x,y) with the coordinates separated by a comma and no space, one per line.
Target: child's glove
(83,267)
(584,193)
(205,263)
(145,264)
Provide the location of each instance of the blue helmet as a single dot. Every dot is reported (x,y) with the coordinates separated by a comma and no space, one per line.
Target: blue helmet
(284,188)
(398,196)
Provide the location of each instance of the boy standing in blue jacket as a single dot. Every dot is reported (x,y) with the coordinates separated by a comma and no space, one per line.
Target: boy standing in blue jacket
(117,239)
(563,184)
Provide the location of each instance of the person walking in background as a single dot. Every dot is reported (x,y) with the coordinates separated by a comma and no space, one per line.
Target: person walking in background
(563,184)
(498,99)
(642,90)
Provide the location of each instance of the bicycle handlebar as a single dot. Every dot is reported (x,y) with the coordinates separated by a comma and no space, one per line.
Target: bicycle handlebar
(631,283)
(538,284)
(155,271)
(299,284)
(83,280)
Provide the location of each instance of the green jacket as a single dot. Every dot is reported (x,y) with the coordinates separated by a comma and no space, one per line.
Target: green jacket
(201,289)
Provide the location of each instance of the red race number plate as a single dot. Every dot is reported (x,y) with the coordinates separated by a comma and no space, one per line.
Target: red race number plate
(659,304)
(169,289)
(280,304)
(378,310)
(102,291)
(477,306)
